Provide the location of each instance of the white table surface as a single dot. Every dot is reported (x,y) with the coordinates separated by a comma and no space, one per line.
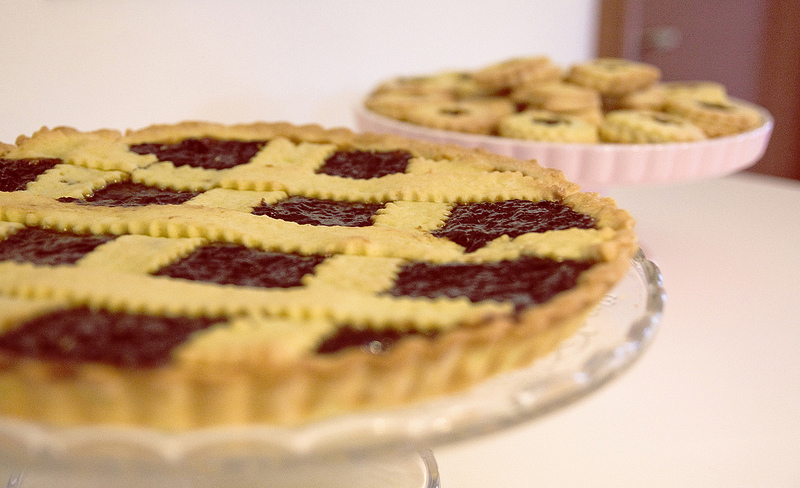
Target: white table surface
(715,400)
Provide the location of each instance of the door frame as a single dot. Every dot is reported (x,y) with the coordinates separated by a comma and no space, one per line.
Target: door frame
(619,35)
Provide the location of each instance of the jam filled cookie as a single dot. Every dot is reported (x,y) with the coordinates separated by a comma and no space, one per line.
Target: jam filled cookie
(592,115)
(396,104)
(717,119)
(644,126)
(614,76)
(556,96)
(197,274)
(517,71)
(476,116)
(706,91)
(651,98)
(587,90)
(542,125)
(449,83)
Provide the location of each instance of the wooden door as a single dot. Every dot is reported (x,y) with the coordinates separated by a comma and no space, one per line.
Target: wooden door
(749,45)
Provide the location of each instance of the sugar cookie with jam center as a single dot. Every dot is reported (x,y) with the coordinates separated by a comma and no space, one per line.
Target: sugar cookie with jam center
(614,76)
(517,71)
(646,126)
(651,98)
(396,104)
(556,96)
(450,83)
(716,119)
(542,125)
(479,116)
(707,91)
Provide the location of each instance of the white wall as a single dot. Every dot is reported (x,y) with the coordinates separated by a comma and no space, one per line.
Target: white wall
(129,63)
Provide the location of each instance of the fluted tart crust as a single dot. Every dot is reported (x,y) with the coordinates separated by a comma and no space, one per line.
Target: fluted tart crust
(199,274)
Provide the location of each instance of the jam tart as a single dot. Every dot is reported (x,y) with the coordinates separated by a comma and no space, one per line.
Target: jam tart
(198,274)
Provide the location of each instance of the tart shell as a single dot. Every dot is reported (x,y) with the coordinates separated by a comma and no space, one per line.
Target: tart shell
(190,393)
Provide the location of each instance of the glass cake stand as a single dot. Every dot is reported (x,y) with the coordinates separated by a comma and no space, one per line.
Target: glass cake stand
(391,448)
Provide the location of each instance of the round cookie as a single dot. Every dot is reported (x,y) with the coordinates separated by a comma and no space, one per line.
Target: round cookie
(707,91)
(464,85)
(646,126)
(716,119)
(556,96)
(478,116)
(459,84)
(397,104)
(651,98)
(593,115)
(542,125)
(444,82)
(614,76)
(517,71)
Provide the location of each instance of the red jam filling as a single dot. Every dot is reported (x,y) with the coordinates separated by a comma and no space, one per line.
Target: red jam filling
(474,225)
(119,339)
(368,340)
(364,165)
(15,174)
(203,152)
(128,194)
(230,264)
(453,112)
(524,282)
(549,121)
(313,211)
(48,247)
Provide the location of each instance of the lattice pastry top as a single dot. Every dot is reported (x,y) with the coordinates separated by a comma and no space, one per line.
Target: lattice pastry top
(201,274)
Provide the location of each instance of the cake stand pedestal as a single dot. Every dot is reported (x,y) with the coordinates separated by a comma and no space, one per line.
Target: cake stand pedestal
(401,470)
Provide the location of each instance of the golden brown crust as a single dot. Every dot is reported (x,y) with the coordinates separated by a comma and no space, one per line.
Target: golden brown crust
(4,148)
(227,374)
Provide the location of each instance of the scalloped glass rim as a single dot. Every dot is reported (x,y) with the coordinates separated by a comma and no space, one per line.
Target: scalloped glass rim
(604,164)
(614,335)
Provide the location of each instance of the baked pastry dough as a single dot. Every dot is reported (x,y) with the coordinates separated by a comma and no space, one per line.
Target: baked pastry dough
(614,76)
(475,116)
(513,72)
(543,125)
(200,274)
(717,119)
(647,126)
